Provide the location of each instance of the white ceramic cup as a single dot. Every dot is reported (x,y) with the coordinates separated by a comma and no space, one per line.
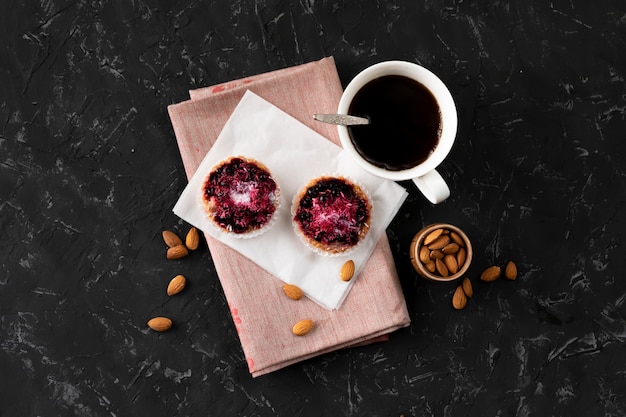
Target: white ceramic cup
(424,175)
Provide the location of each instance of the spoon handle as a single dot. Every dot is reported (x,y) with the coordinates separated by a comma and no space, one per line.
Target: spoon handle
(341,119)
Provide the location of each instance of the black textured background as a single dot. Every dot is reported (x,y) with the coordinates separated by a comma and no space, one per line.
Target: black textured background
(89,172)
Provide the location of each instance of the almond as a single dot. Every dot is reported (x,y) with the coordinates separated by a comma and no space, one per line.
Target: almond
(459,299)
(292,291)
(171,239)
(177,252)
(440,242)
(467,287)
(456,238)
(461,255)
(347,271)
(160,324)
(450,262)
(192,240)
(441,268)
(430,238)
(176,285)
(510,271)
(436,254)
(451,248)
(302,327)
(424,254)
(491,274)
(430,266)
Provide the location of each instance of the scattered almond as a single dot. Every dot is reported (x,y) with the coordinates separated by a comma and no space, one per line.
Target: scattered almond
(347,271)
(171,239)
(430,238)
(459,299)
(292,291)
(510,271)
(302,327)
(177,252)
(192,240)
(467,287)
(160,324)
(491,274)
(176,285)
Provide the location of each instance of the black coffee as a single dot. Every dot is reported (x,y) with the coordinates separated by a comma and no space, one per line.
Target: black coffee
(405,122)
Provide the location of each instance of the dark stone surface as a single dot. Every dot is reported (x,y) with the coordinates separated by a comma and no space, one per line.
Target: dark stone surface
(89,172)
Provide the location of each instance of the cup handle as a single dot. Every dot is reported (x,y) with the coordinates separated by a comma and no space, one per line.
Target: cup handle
(433,186)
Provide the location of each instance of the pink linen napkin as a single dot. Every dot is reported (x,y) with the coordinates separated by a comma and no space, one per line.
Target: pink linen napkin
(262,314)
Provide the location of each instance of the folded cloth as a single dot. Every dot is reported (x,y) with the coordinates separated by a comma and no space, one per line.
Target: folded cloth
(262,314)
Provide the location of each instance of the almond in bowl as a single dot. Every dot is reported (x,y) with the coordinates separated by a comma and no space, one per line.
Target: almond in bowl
(441,252)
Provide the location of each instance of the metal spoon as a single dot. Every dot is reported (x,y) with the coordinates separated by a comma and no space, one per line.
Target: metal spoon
(341,119)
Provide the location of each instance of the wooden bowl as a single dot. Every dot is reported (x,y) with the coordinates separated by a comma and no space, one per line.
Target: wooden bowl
(421,267)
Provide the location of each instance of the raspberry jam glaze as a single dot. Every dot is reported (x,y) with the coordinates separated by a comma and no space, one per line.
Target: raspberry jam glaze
(242,195)
(332,213)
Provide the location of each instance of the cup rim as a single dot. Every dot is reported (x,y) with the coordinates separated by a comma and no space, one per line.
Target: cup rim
(444,100)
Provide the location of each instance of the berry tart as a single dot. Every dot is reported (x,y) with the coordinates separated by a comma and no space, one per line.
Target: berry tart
(332,214)
(240,196)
